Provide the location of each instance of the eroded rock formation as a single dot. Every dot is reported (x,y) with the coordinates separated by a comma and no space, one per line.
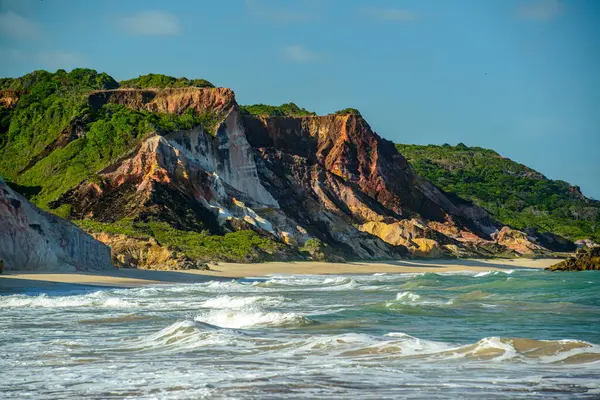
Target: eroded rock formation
(586,259)
(130,252)
(291,178)
(34,240)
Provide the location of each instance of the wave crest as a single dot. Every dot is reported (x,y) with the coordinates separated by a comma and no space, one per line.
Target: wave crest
(252,317)
(96,299)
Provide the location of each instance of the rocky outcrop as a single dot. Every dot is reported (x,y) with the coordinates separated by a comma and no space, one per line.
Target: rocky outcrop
(130,252)
(9,97)
(586,259)
(551,241)
(34,240)
(169,100)
(518,241)
(585,243)
(349,172)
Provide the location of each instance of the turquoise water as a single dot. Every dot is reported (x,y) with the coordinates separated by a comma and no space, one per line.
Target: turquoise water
(509,334)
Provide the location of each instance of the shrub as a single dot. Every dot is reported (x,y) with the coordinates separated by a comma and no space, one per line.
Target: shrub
(348,111)
(284,110)
(240,246)
(162,81)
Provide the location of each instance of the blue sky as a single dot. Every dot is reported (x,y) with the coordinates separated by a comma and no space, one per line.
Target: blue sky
(519,76)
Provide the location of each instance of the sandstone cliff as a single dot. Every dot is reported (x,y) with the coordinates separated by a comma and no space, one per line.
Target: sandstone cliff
(287,178)
(34,240)
(350,172)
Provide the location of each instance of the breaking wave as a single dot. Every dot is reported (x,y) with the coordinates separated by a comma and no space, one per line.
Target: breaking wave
(252,317)
(96,299)
(227,301)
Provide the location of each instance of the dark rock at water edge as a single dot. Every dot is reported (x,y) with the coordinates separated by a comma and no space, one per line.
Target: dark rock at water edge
(586,259)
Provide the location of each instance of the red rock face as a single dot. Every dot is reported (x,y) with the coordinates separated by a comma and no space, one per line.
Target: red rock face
(364,174)
(174,100)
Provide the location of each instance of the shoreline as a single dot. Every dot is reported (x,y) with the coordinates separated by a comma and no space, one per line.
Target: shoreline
(126,278)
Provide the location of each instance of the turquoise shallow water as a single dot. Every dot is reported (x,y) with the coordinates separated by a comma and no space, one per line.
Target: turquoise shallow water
(509,334)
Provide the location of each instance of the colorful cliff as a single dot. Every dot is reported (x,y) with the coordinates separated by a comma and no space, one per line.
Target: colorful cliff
(196,174)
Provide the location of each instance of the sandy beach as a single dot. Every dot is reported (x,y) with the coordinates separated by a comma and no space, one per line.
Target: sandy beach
(133,278)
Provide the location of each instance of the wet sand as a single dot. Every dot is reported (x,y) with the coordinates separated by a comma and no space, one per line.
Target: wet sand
(133,277)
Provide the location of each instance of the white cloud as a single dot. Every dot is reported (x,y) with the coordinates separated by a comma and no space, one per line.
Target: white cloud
(14,25)
(151,22)
(59,59)
(277,14)
(297,53)
(391,14)
(540,10)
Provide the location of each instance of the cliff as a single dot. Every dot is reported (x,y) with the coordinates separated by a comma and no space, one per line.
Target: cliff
(34,240)
(338,163)
(168,100)
(197,179)
(189,172)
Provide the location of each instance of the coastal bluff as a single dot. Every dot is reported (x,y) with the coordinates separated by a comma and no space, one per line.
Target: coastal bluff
(175,173)
(34,240)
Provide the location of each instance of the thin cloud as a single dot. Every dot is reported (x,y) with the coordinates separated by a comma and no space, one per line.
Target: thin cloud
(270,12)
(540,10)
(14,55)
(21,7)
(59,59)
(51,59)
(297,53)
(391,14)
(151,22)
(14,25)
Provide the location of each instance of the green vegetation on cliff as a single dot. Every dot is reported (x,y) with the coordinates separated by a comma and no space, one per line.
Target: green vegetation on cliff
(52,139)
(240,246)
(47,104)
(163,81)
(43,82)
(513,193)
(347,111)
(284,110)
(31,152)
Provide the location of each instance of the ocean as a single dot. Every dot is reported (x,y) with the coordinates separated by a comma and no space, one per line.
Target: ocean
(513,334)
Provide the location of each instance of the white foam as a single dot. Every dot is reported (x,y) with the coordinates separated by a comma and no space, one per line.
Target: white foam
(251,317)
(227,301)
(326,344)
(495,343)
(407,297)
(338,280)
(507,272)
(413,299)
(181,335)
(45,301)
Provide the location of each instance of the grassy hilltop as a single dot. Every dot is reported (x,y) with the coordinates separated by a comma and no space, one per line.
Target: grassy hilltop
(513,193)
